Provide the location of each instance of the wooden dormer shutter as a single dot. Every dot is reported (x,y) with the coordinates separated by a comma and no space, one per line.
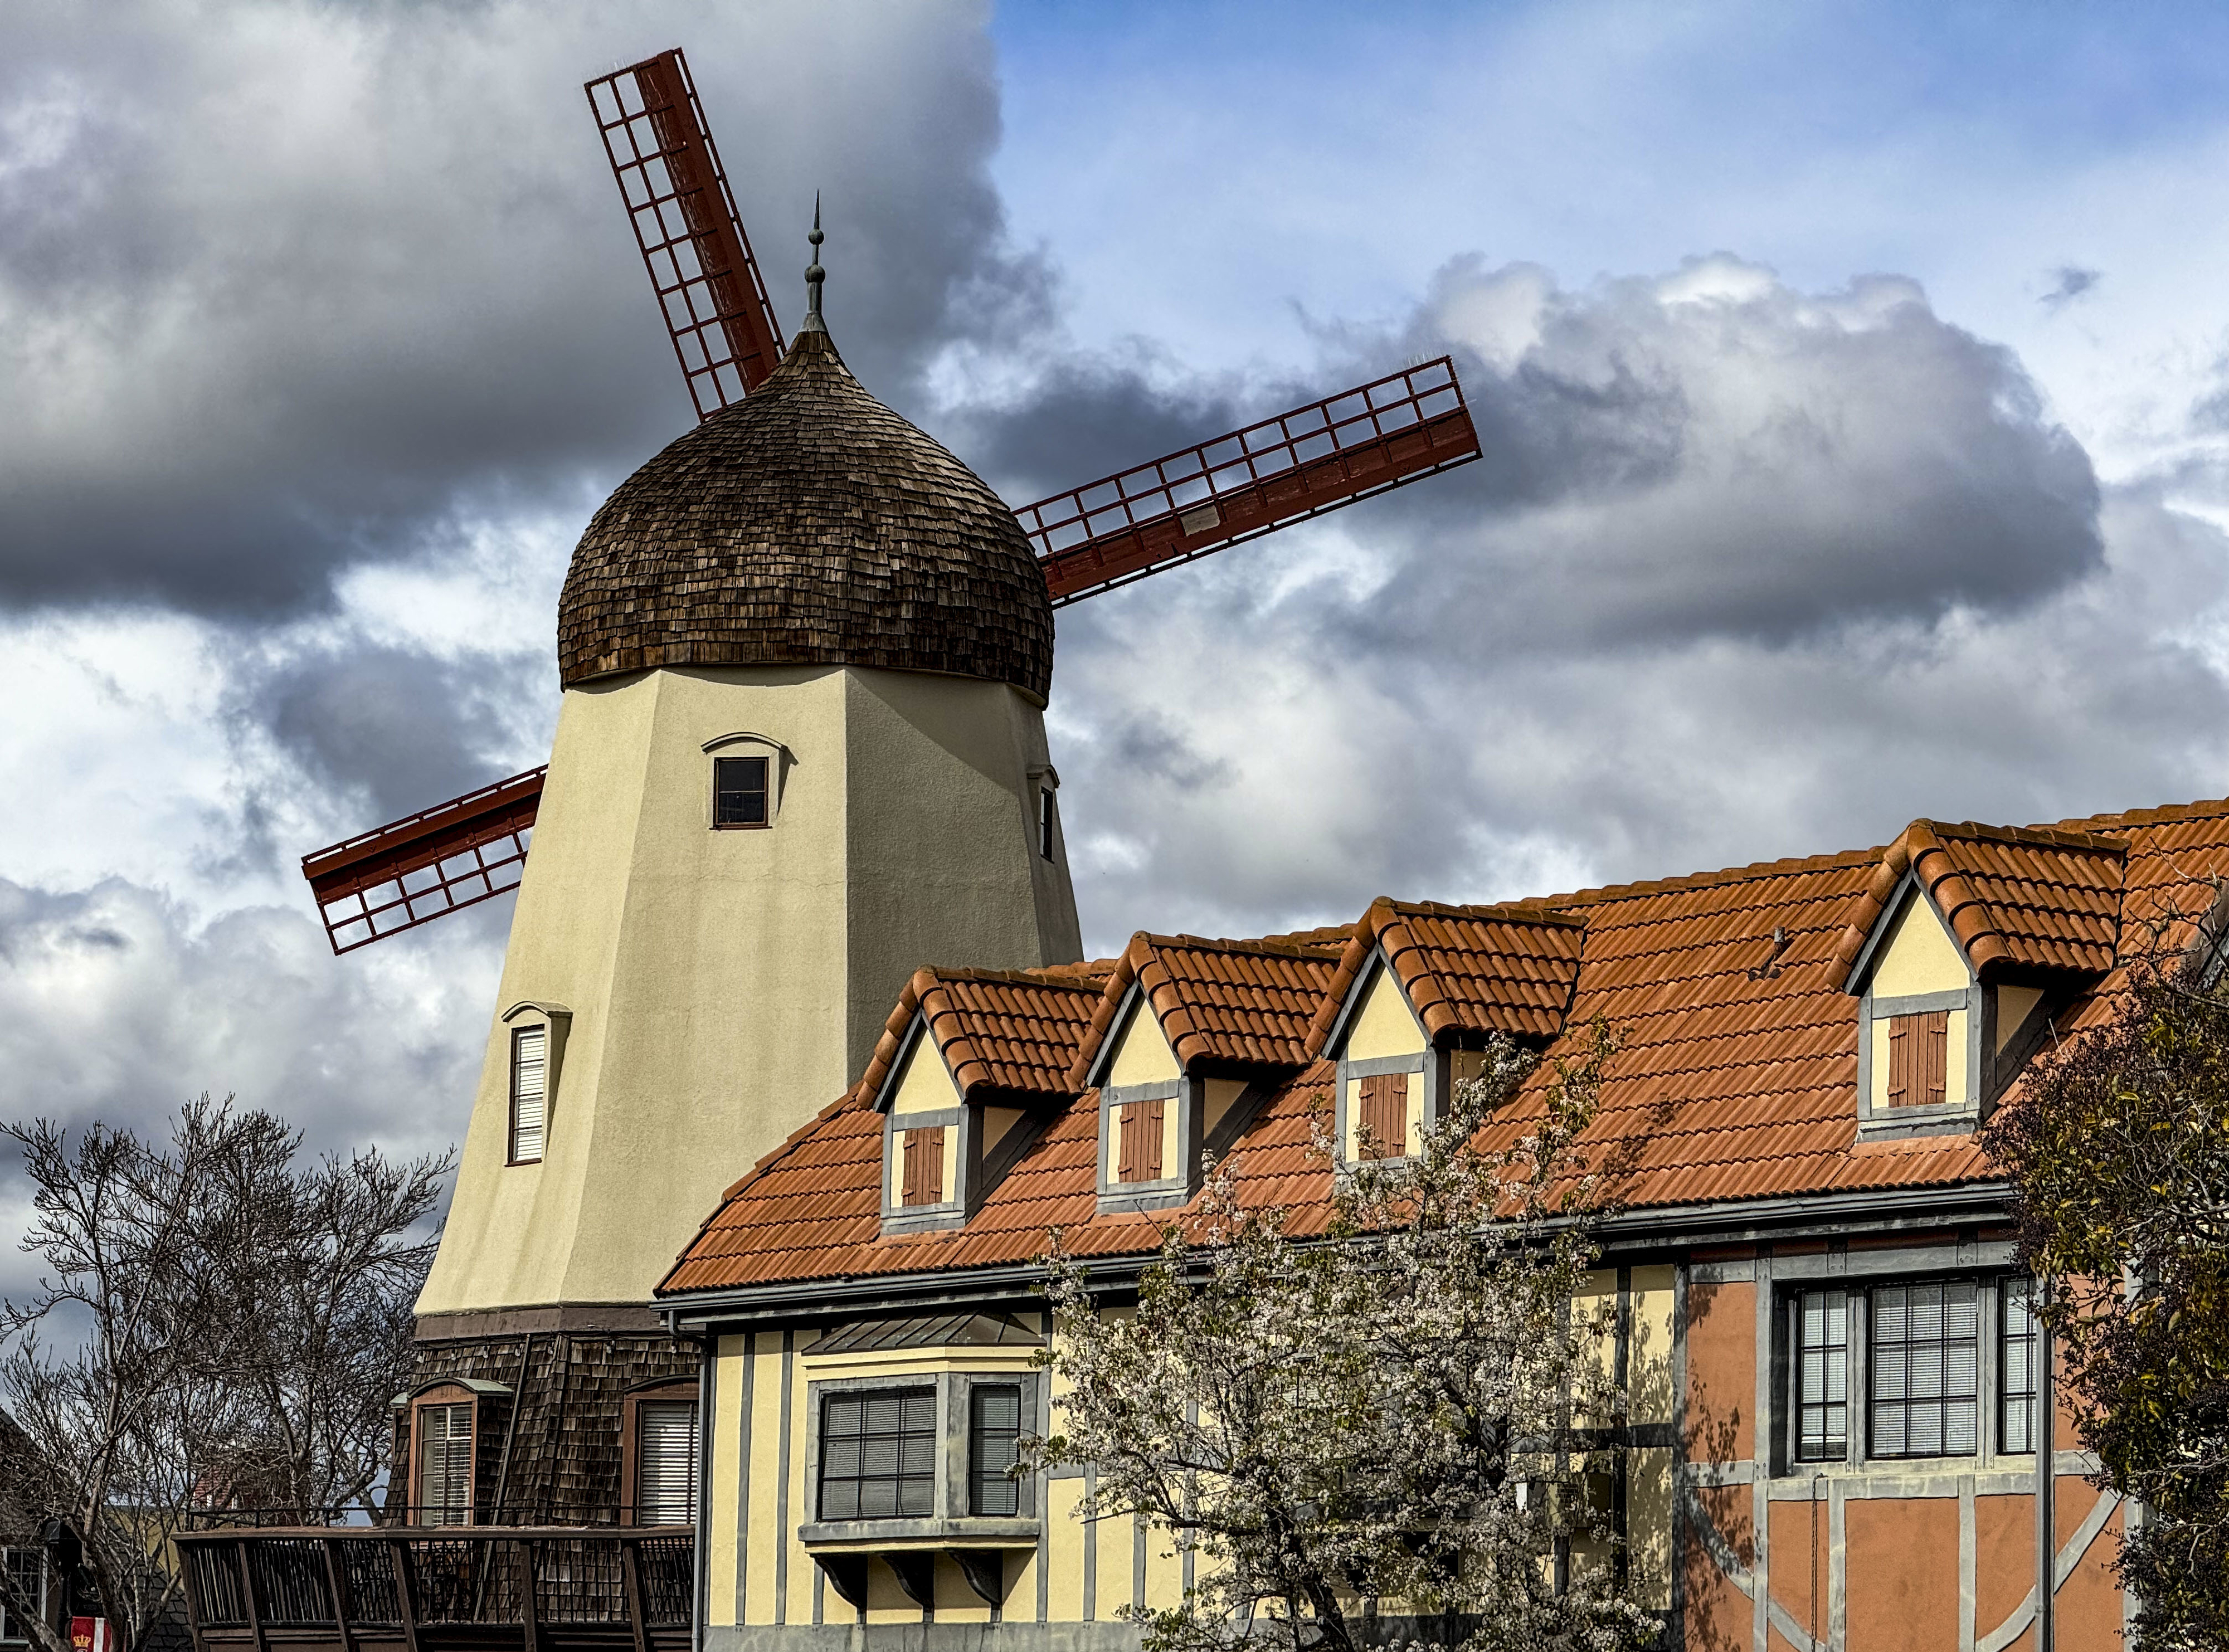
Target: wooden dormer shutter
(1138,1146)
(1918,1060)
(923,1182)
(1385,1114)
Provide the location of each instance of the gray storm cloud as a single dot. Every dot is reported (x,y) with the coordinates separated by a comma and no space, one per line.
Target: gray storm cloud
(286,288)
(292,291)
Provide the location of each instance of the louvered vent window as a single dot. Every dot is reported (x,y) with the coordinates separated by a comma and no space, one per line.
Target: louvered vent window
(994,1428)
(878,1454)
(2016,1366)
(1384,1116)
(1138,1141)
(1822,1376)
(1925,1369)
(665,1463)
(530,1093)
(445,1464)
(921,1179)
(28,1573)
(1918,1055)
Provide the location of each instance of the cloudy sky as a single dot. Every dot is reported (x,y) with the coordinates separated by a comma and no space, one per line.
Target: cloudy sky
(1854,381)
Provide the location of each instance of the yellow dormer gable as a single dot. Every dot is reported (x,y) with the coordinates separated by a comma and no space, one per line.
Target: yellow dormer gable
(1142,1055)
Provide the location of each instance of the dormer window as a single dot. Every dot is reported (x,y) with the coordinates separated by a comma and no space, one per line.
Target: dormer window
(1918,1060)
(1383,1128)
(1137,1128)
(920,1170)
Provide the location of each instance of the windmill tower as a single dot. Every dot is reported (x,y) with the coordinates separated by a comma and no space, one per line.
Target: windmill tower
(805,653)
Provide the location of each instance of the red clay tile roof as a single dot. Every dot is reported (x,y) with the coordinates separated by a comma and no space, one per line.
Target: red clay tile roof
(1240,1001)
(1465,968)
(2042,899)
(1734,1078)
(997,1029)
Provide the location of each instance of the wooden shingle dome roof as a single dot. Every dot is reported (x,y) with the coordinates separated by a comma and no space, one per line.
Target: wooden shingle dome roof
(806,525)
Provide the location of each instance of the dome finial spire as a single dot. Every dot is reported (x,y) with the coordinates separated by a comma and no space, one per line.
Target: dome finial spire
(814,275)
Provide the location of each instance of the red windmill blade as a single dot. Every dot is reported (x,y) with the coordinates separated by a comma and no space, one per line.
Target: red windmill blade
(1254,480)
(708,284)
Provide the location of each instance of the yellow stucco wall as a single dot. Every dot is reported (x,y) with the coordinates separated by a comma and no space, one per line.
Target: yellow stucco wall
(1142,1055)
(724,986)
(1384,1025)
(924,1085)
(1919,956)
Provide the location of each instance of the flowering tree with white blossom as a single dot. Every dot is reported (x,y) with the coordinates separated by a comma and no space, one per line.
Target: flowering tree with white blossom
(1381,1423)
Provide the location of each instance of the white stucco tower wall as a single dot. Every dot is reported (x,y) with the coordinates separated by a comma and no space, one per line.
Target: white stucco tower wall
(724,985)
(806,577)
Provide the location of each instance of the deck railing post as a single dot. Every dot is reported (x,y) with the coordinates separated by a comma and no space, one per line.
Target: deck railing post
(630,1582)
(406,1591)
(529,1617)
(189,1559)
(248,1584)
(335,1586)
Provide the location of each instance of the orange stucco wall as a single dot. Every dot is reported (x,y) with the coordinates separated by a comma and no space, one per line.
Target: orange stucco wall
(1903,1574)
(1718,1614)
(1721,1372)
(2004,1559)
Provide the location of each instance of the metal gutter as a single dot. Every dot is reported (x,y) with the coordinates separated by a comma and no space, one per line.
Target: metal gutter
(1622,1234)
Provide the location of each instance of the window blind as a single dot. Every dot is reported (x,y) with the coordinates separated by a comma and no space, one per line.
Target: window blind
(2016,1368)
(445,1464)
(530,1097)
(1822,1376)
(878,1454)
(1926,1369)
(994,1429)
(665,1463)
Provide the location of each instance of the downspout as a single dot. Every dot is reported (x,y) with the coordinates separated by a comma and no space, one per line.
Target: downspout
(510,1429)
(2046,1517)
(701,1558)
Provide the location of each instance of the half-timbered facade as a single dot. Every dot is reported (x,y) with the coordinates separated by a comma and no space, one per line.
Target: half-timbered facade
(1832,1433)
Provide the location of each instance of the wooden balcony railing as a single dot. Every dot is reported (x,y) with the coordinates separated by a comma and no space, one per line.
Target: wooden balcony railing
(440,1588)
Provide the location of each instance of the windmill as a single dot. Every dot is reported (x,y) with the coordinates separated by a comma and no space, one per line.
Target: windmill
(1121,527)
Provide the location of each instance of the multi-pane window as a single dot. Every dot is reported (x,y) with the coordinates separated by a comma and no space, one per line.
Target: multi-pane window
(2016,1366)
(1822,1376)
(1918,1058)
(530,1093)
(27,1571)
(1384,1121)
(994,1428)
(739,791)
(878,1454)
(1925,1369)
(445,1464)
(1138,1128)
(666,1462)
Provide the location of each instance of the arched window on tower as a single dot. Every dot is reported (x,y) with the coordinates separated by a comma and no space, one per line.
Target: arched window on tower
(746,776)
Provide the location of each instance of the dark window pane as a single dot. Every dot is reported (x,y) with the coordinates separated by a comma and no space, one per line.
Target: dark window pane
(2016,1368)
(878,1454)
(993,1432)
(739,791)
